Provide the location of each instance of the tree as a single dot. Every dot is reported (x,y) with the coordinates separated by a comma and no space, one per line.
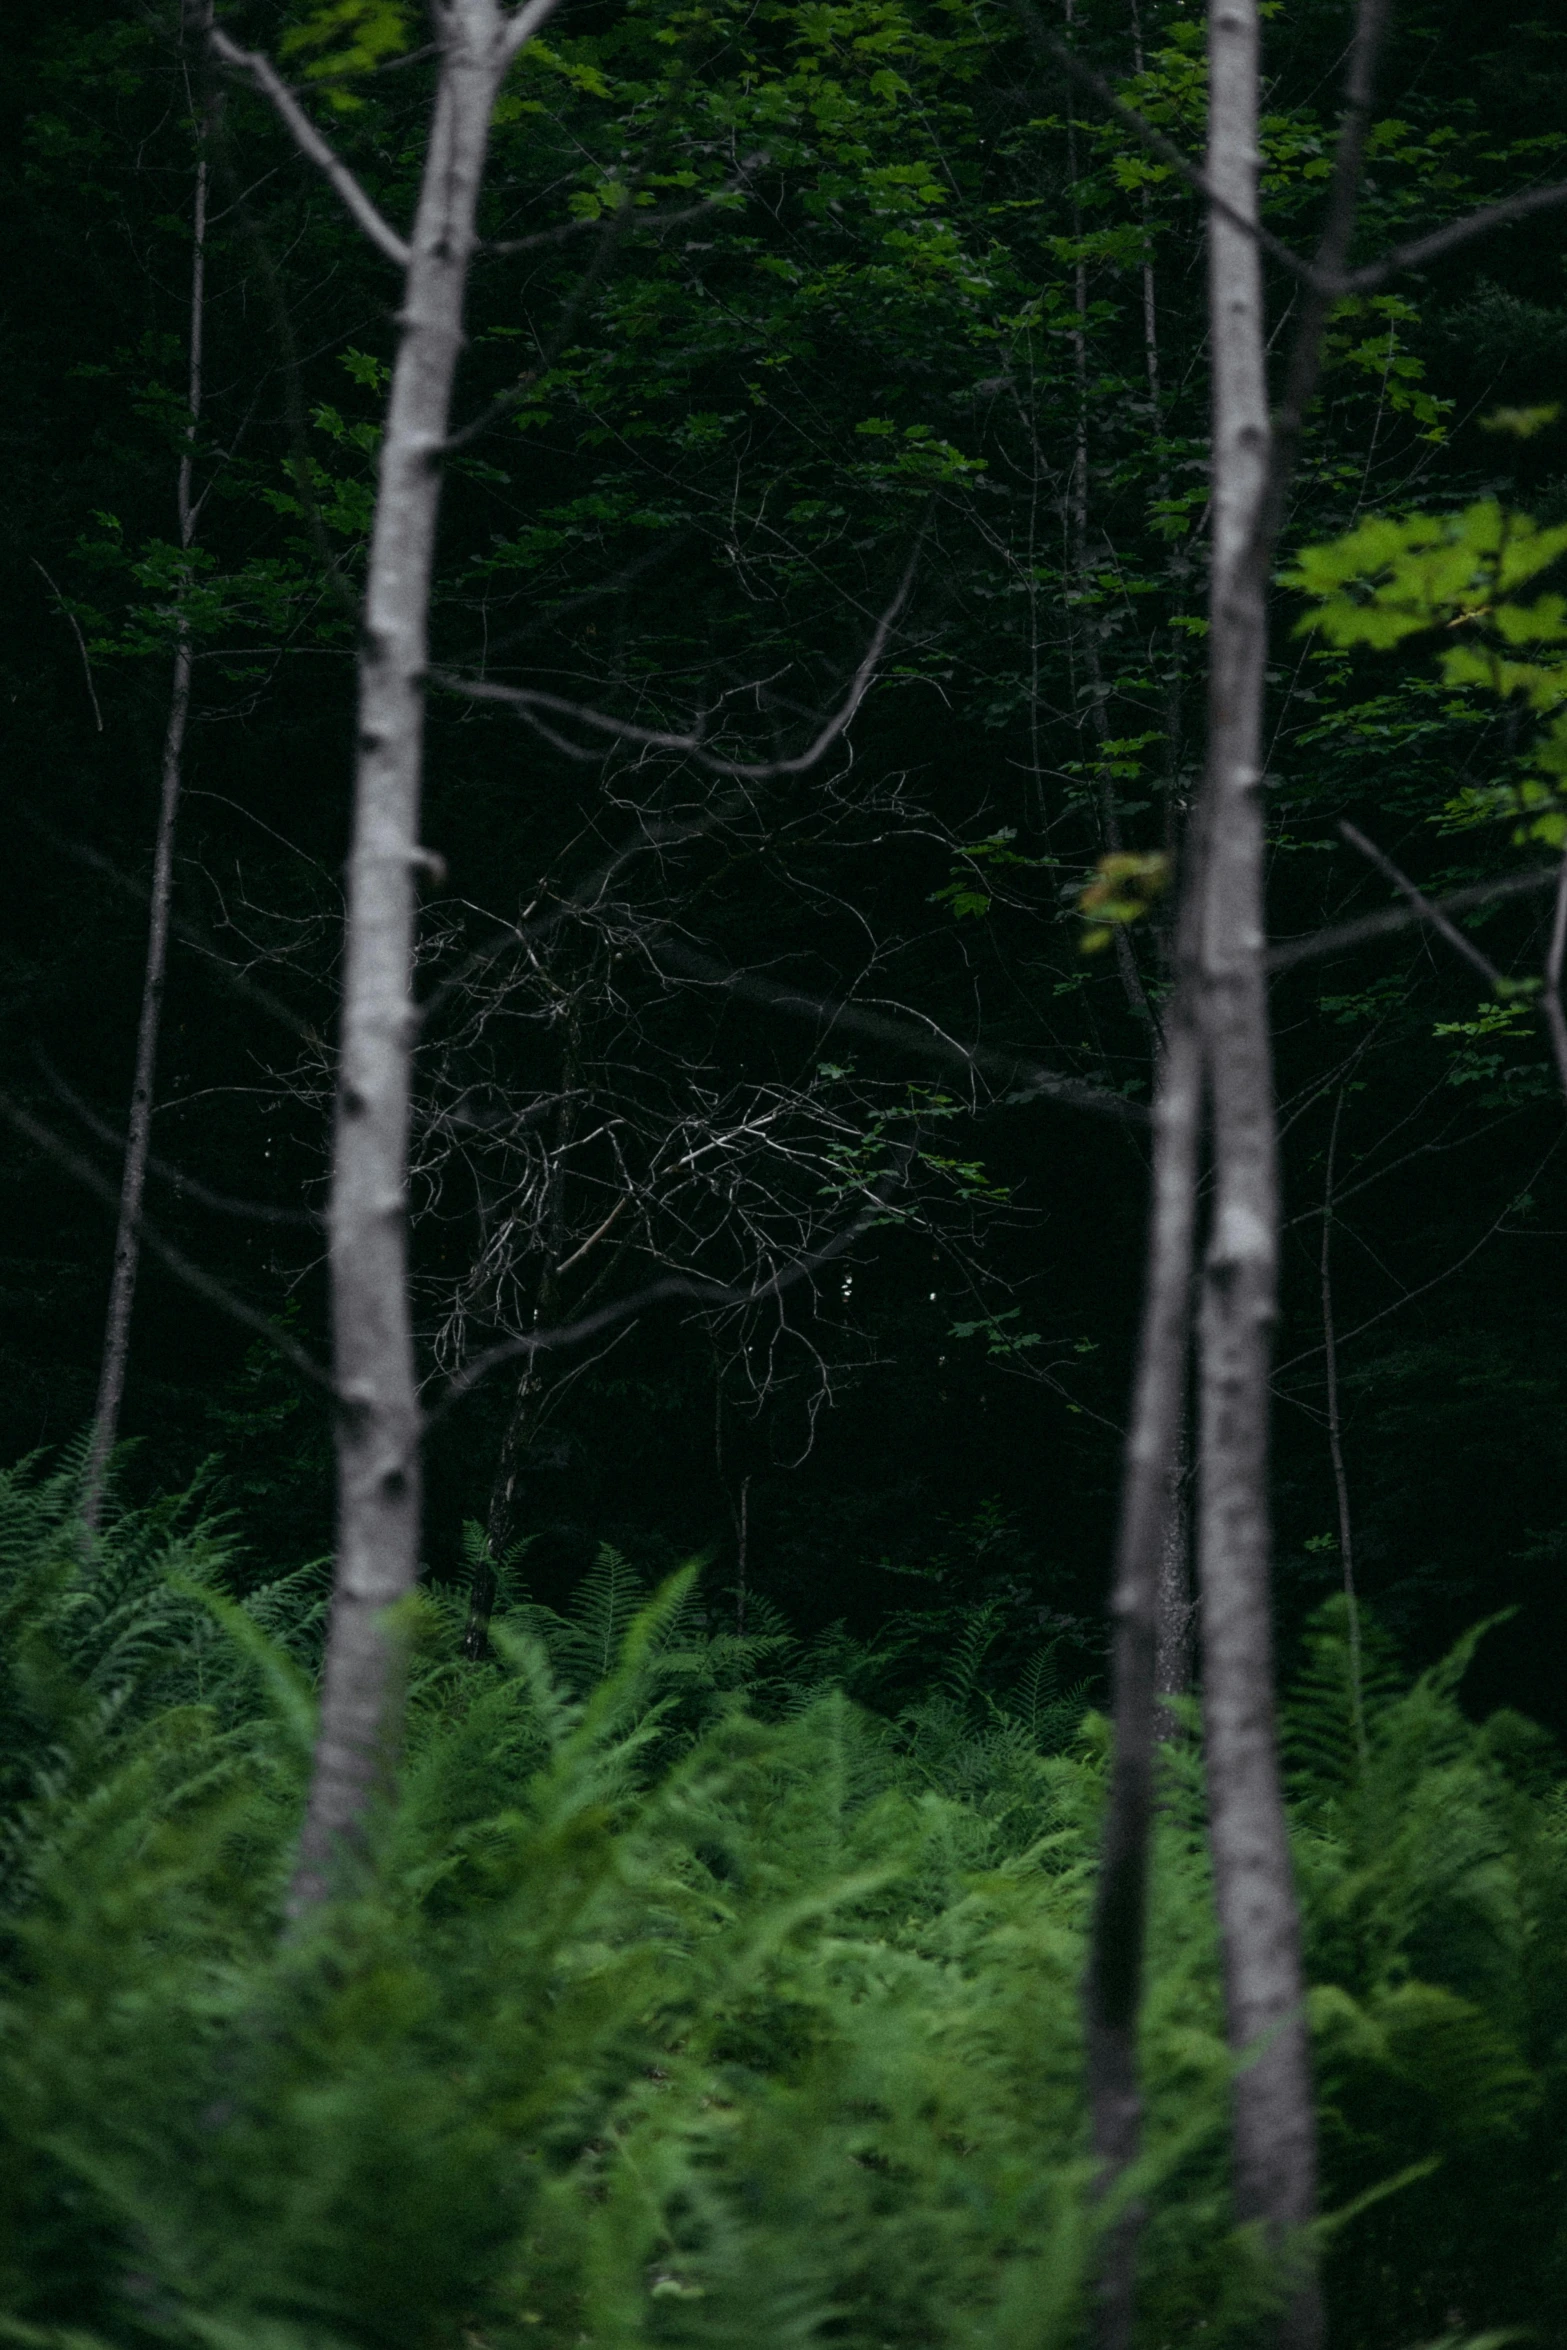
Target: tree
(378,1414)
(138,1139)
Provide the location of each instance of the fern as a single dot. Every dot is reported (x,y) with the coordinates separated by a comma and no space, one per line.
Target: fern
(691,2005)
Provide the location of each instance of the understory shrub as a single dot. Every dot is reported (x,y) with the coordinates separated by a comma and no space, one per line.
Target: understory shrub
(682,2002)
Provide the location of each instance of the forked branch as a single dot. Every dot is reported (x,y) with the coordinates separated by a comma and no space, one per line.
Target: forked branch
(266,78)
(528,700)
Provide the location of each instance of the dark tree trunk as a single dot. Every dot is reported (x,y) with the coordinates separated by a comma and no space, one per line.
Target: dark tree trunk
(504,1518)
(138,1134)
(1113,1983)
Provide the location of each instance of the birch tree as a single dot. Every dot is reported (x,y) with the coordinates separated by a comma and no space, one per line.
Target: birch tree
(373,1338)
(1218,1052)
(1274,2119)
(378,1431)
(1217,1062)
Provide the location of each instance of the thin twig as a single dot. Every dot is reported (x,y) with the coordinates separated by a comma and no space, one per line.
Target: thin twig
(1154,139)
(1338,228)
(1026,1078)
(1341,937)
(1333,282)
(652,219)
(193,934)
(679,1285)
(219,1202)
(1309,1354)
(525,700)
(216,1293)
(1457,232)
(1335,1442)
(81,641)
(1426,908)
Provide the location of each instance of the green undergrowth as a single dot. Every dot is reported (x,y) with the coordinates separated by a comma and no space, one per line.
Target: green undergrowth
(685,2002)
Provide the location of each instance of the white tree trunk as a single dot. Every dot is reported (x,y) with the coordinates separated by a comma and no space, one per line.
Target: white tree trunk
(1275,2138)
(378,1427)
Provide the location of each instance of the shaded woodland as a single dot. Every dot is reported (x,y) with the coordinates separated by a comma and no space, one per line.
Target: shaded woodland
(944,617)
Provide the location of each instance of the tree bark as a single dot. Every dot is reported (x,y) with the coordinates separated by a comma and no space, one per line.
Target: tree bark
(379,1485)
(138,1134)
(1357,1695)
(1112,1990)
(1274,2120)
(1173,1666)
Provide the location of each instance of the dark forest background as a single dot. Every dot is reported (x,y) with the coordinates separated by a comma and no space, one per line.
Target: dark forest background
(910,304)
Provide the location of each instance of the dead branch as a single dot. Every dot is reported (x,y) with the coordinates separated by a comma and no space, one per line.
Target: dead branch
(1341,937)
(174,1260)
(1426,909)
(528,700)
(1027,1078)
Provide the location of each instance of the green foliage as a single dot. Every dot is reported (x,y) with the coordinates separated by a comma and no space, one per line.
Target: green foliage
(725,2046)
(1392,579)
(1126,885)
(662,2023)
(341,38)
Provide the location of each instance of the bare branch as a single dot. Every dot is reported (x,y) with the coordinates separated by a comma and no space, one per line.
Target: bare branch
(1331,281)
(1457,232)
(81,641)
(216,1293)
(522,27)
(1338,229)
(652,219)
(593,1238)
(525,700)
(1426,909)
(1342,936)
(675,1285)
(312,145)
(1027,1078)
(648,839)
(193,934)
(1309,1354)
(219,1202)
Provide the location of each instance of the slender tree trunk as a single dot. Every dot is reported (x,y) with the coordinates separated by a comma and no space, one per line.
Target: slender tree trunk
(1220,929)
(501,1519)
(1551,994)
(504,1516)
(1112,1991)
(1274,2120)
(1346,1547)
(138,1136)
(1177,1605)
(379,1482)
(1173,1671)
(742,1550)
